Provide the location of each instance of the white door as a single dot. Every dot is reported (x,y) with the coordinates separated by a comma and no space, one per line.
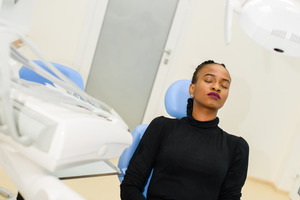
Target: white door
(135,39)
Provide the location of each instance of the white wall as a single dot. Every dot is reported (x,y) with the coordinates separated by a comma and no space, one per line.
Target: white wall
(263,103)
(56,29)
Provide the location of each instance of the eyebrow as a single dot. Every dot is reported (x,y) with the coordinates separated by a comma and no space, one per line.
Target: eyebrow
(223,79)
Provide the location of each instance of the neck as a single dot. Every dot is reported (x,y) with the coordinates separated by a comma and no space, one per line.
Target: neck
(204,114)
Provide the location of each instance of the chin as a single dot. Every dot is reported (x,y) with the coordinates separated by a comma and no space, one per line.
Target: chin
(215,108)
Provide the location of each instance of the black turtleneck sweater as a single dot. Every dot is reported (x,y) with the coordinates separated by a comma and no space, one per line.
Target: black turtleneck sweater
(192,160)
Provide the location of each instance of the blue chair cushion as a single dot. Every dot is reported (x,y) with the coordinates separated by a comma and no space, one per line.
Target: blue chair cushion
(125,157)
(27,74)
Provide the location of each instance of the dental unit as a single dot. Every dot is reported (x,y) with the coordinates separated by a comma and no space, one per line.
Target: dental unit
(44,128)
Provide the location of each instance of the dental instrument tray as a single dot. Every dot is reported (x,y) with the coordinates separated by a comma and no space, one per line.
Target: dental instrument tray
(61,134)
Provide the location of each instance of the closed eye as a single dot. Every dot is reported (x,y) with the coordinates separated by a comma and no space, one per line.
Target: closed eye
(208,81)
(225,86)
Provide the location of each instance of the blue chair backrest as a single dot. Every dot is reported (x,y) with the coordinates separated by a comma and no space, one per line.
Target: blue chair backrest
(29,75)
(176,98)
(175,103)
(124,159)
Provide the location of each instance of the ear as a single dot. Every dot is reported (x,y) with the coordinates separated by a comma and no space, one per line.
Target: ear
(192,90)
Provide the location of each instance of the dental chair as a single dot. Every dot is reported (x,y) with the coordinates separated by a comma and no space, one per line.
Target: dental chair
(175,103)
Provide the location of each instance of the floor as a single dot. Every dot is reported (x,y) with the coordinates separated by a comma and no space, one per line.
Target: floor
(107,188)
(258,190)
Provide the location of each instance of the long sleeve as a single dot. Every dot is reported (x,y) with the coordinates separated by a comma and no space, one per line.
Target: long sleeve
(237,173)
(142,162)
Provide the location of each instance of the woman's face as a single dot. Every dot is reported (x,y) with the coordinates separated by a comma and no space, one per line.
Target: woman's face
(211,89)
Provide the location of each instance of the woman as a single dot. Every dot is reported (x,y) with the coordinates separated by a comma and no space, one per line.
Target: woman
(192,157)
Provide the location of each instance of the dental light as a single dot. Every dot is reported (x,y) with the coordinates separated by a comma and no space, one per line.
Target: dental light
(274,24)
(47,128)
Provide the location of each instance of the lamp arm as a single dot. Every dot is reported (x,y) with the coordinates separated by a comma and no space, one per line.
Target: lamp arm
(231,6)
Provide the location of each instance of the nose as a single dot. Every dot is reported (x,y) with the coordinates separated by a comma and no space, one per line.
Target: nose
(216,87)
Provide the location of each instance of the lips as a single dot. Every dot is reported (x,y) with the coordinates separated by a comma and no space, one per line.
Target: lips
(214,95)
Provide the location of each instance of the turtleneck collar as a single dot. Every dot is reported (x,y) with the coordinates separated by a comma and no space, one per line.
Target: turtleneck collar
(201,124)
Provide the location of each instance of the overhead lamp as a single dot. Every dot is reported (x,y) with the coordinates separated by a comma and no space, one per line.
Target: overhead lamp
(274,24)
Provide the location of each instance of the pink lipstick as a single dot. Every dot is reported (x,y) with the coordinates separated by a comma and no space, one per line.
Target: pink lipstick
(214,95)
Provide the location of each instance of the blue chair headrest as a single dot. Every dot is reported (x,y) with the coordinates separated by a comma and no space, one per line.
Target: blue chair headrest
(176,98)
(29,75)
